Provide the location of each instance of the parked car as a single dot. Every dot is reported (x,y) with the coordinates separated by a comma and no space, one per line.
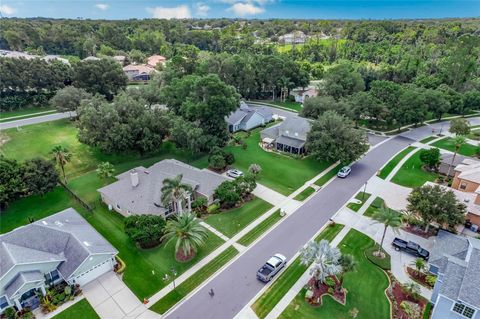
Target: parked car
(344,172)
(411,248)
(235,173)
(271,267)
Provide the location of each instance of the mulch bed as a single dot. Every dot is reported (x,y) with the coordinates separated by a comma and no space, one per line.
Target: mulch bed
(339,293)
(419,231)
(181,257)
(396,294)
(419,277)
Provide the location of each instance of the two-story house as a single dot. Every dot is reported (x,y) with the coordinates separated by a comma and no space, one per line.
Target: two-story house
(466,179)
(290,136)
(456,262)
(61,247)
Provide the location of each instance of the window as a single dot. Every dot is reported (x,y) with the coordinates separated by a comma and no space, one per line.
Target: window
(3,302)
(463,185)
(465,311)
(52,276)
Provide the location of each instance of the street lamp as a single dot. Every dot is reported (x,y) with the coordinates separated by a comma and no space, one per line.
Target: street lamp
(174,274)
(364,191)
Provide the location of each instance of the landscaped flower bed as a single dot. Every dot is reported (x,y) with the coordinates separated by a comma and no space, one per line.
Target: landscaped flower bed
(421,277)
(316,290)
(404,305)
(58,295)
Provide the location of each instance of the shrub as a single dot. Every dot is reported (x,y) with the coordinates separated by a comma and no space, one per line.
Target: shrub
(430,279)
(145,230)
(227,194)
(199,205)
(217,162)
(330,282)
(212,209)
(229,158)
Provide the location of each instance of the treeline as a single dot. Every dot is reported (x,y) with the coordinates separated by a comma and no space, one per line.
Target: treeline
(31,82)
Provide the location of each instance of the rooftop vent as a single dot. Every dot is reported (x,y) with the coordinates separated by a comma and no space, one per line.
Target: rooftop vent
(134,178)
(58,223)
(86,243)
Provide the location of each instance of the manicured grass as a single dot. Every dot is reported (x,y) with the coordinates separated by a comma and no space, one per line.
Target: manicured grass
(328,176)
(411,174)
(375,205)
(294,106)
(289,277)
(24,113)
(366,288)
(234,220)
(449,145)
(362,197)
(474,134)
(186,287)
(256,232)
(384,263)
(39,139)
(388,168)
(428,139)
(280,172)
(81,309)
(428,311)
(305,193)
(145,268)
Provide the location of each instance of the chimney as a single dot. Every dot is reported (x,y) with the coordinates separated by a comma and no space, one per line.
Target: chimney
(134,178)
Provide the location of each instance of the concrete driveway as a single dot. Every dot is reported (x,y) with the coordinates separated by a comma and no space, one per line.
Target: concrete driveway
(112,299)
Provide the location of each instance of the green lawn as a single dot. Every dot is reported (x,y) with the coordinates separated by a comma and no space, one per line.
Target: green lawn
(411,174)
(234,220)
(258,230)
(81,309)
(20,146)
(362,197)
(138,275)
(428,139)
(388,168)
(474,134)
(182,290)
(329,175)
(294,106)
(448,144)
(377,203)
(24,113)
(288,278)
(366,288)
(280,172)
(305,193)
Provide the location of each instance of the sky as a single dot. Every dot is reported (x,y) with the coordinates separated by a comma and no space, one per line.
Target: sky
(259,9)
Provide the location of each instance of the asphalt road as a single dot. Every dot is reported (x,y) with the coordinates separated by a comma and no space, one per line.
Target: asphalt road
(34,120)
(237,284)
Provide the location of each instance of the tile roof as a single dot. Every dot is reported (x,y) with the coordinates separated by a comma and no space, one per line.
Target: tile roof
(155,59)
(145,197)
(65,236)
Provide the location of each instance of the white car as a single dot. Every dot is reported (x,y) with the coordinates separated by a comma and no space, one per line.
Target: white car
(234,173)
(344,172)
(271,267)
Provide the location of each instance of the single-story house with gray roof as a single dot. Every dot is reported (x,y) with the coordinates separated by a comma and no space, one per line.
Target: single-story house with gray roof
(61,247)
(289,136)
(456,262)
(246,118)
(138,191)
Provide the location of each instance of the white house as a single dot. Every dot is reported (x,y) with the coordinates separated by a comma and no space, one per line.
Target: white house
(61,247)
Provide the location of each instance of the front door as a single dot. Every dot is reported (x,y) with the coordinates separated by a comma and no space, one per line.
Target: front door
(30,299)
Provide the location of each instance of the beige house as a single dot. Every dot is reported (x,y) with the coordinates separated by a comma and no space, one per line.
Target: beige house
(466,179)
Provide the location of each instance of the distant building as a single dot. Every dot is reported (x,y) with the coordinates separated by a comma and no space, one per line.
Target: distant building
(154,60)
(246,118)
(138,72)
(139,190)
(120,59)
(456,262)
(91,58)
(466,179)
(28,56)
(301,94)
(296,37)
(290,136)
(61,247)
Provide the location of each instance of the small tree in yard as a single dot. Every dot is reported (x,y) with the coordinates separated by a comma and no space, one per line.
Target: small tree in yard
(413,289)
(173,191)
(227,194)
(348,264)
(389,218)
(39,176)
(325,259)
(62,156)
(145,230)
(431,158)
(105,170)
(254,169)
(69,98)
(459,126)
(199,205)
(217,162)
(436,204)
(458,140)
(419,265)
(245,185)
(187,232)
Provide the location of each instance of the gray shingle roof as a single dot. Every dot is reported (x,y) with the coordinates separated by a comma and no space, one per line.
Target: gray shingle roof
(145,197)
(244,113)
(65,236)
(293,127)
(460,265)
(21,279)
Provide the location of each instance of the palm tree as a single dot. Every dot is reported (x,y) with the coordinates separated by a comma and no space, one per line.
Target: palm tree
(389,218)
(413,289)
(325,259)
(62,156)
(458,140)
(348,264)
(188,233)
(173,191)
(419,265)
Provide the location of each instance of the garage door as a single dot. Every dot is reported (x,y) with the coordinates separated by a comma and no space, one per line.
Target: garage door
(94,273)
